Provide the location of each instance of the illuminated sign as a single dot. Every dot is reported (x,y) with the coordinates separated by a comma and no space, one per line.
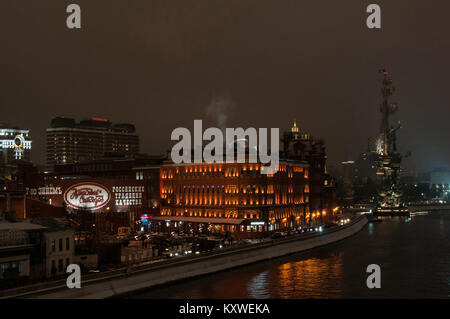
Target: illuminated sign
(18,142)
(257,223)
(128,195)
(90,196)
(144,220)
(44,191)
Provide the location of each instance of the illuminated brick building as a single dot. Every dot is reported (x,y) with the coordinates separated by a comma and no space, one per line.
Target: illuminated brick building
(301,146)
(235,198)
(126,188)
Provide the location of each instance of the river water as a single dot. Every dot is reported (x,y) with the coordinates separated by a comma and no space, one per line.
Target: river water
(414,256)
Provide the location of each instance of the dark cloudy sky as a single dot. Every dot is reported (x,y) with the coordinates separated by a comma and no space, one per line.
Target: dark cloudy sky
(158,63)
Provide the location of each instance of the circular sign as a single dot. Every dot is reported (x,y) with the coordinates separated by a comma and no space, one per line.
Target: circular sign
(89,196)
(18,142)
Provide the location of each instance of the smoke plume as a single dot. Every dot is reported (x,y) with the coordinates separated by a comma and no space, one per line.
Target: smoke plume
(219,109)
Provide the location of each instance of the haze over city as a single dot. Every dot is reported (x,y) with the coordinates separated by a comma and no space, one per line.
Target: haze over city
(161,64)
(214,158)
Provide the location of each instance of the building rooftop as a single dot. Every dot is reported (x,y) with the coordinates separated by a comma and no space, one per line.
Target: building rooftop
(22,225)
(52,224)
(94,123)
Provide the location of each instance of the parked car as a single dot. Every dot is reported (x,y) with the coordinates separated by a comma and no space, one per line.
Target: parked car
(278,235)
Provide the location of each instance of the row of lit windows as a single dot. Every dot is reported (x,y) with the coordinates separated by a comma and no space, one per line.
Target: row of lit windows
(278,199)
(280,214)
(298,213)
(221,201)
(215,214)
(199,213)
(229,189)
(227,172)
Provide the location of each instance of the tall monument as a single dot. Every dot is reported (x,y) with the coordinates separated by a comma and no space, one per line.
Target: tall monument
(388,159)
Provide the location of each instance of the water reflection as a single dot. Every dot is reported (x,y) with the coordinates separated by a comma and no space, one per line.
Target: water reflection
(370,226)
(305,278)
(258,286)
(413,256)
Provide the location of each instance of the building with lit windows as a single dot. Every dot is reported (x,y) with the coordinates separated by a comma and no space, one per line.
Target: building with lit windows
(235,198)
(301,146)
(111,192)
(15,144)
(72,142)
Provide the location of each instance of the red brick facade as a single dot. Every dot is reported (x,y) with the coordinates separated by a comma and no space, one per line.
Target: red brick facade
(236,198)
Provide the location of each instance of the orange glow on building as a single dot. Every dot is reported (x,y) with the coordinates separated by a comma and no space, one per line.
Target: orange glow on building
(230,195)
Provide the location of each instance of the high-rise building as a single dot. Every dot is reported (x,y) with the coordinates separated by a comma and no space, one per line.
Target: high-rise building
(15,144)
(72,142)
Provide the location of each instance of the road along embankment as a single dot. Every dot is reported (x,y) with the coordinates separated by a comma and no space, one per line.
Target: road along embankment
(153,275)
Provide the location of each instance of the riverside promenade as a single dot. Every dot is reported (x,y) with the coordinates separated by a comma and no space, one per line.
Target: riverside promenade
(128,280)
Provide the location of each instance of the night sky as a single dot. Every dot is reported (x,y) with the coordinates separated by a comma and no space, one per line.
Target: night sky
(162,64)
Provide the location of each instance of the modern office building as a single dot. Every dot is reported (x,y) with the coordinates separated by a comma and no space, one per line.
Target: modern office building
(72,142)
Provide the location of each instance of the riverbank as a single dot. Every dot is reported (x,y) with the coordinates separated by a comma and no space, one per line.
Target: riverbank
(410,267)
(154,275)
